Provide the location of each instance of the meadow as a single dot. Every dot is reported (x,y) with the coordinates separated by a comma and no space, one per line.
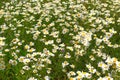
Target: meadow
(60,40)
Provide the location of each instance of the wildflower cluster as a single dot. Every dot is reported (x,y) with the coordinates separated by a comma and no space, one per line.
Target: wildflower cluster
(59,39)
